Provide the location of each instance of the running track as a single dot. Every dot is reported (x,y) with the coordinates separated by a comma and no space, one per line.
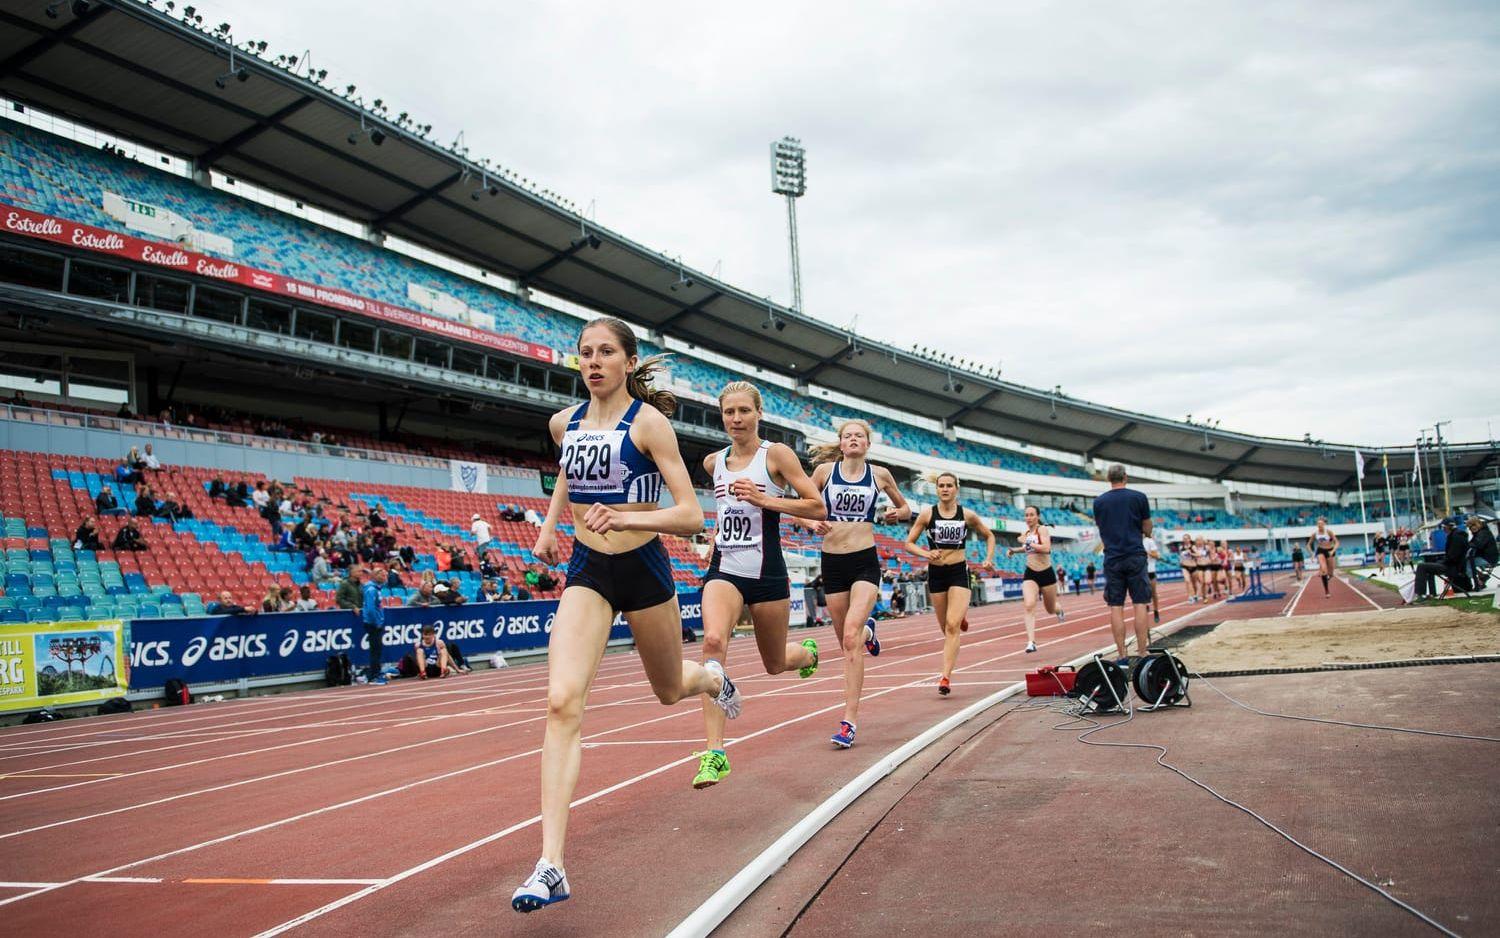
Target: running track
(345,810)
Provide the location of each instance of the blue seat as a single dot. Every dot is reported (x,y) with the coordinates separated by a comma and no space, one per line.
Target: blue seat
(40,615)
(148,611)
(12,616)
(17,582)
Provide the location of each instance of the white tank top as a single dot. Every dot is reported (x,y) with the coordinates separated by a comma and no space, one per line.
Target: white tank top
(747,540)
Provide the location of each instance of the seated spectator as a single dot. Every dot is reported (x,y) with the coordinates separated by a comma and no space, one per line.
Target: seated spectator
(1483,554)
(237,495)
(125,475)
(348,595)
(1453,565)
(459,560)
(305,533)
(283,543)
(424,596)
(19,399)
(512,513)
(145,502)
(488,592)
(444,558)
(149,461)
(105,502)
(487,567)
(545,580)
(321,570)
(374,518)
(523,594)
(171,509)
(226,606)
(408,555)
(533,574)
(533,517)
(217,488)
(260,498)
(129,538)
(306,602)
(393,581)
(134,460)
(87,536)
(448,593)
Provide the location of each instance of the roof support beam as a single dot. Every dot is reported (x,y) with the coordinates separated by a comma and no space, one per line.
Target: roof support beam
(697,307)
(972,406)
(1092,451)
(827,360)
(48,40)
(1222,474)
(551,262)
(212,155)
(411,203)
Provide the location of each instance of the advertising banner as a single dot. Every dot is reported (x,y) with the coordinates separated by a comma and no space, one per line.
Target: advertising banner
(31,224)
(798,580)
(215,649)
(52,664)
(470,477)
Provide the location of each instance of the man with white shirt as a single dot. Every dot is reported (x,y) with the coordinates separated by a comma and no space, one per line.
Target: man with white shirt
(481,530)
(152,463)
(1153,554)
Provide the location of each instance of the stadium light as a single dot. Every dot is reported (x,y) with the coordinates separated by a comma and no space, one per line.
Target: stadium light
(789,179)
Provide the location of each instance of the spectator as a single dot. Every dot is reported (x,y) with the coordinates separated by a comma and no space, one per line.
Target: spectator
(105,502)
(173,510)
(217,488)
(237,495)
(545,581)
(226,606)
(505,593)
(488,592)
(431,655)
(448,593)
(458,560)
(145,502)
(87,536)
(487,568)
(1483,554)
(129,538)
(271,602)
(1123,516)
(283,540)
(372,615)
(133,460)
(19,399)
(444,557)
(424,596)
(321,570)
(533,574)
(125,413)
(305,601)
(523,594)
(1452,566)
(350,593)
(125,475)
(393,581)
(149,461)
(512,513)
(260,498)
(532,517)
(374,518)
(481,531)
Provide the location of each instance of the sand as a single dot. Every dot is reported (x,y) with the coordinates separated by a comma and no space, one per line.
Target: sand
(1345,637)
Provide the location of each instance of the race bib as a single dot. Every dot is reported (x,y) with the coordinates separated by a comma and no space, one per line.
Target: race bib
(739,527)
(850,502)
(591,461)
(948,531)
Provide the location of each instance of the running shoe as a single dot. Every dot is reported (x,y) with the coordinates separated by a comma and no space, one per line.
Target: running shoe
(1030,647)
(546,884)
(811,645)
(872,644)
(944,688)
(964,625)
(380,681)
(1062,616)
(844,738)
(713,767)
(1156,616)
(729,699)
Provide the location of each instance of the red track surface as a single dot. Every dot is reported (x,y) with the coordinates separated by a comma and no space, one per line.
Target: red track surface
(394,805)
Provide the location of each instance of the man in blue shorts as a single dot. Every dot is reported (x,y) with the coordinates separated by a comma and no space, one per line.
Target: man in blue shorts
(1123,517)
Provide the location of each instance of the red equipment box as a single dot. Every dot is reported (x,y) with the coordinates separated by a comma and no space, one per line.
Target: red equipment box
(1050,681)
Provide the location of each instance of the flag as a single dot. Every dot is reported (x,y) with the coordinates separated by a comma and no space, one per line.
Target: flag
(1359,465)
(1385,460)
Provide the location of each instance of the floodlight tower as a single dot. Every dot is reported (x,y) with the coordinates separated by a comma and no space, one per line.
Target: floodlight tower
(789,178)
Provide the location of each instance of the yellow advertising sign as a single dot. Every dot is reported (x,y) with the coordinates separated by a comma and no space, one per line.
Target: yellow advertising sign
(59,663)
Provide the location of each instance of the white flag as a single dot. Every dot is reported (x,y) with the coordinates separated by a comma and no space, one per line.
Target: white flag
(1359,465)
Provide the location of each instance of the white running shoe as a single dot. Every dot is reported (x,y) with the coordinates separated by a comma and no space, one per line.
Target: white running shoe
(1030,647)
(546,884)
(1062,616)
(729,699)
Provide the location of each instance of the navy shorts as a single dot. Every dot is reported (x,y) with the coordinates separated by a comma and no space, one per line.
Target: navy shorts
(1126,575)
(753,590)
(635,580)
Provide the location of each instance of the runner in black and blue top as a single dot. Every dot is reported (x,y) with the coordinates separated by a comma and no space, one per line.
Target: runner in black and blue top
(851,566)
(755,482)
(616,458)
(947,526)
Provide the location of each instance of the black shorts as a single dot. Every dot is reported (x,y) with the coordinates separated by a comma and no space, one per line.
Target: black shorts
(1325,551)
(1042,578)
(943,577)
(842,571)
(1126,575)
(635,580)
(752,590)
(1151,575)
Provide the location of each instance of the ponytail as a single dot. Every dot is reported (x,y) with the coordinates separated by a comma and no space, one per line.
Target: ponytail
(638,384)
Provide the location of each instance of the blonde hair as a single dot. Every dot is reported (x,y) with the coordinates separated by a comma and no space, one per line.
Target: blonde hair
(638,383)
(935,478)
(828,452)
(741,387)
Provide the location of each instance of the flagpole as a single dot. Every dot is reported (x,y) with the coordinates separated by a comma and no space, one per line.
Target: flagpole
(1390,500)
(1416,453)
(1359,478)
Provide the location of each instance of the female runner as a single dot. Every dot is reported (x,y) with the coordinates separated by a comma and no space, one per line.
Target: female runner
(1241,582)
(1326,544)
(1040,577)
(947,525)
(1153,554)
(851,566)
(1207,564)
(1188,560)
(616,456)
(755,483)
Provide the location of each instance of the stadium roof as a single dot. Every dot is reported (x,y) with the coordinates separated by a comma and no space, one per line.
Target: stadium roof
(130,69)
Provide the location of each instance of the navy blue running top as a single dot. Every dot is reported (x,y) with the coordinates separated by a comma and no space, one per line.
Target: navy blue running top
(850,501)
(604,466)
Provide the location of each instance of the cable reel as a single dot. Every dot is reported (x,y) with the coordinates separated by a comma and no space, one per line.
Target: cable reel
(1101,687)
(1161,680)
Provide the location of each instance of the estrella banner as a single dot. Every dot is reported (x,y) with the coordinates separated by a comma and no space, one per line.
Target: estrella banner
(52,664)
(216,649)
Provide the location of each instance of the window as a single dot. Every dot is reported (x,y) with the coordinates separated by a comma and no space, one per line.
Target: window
(30,269)
(315,326)
(432,353)
(561,382)
(98,281)
(395,344)
(270,317)
(470,363)
(499,369)
(161,293)
(531,376)
(219,305)
(356,335)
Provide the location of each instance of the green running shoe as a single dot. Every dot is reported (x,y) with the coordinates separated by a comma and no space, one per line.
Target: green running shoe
(712,768)
(811,644)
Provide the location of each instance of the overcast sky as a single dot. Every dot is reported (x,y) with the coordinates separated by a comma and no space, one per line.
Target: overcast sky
(1285,216)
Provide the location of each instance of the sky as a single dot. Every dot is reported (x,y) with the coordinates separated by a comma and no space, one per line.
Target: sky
(1281,216)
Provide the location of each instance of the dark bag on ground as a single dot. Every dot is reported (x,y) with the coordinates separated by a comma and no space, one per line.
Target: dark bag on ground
(176,692)
(41,716)
(408,665)
(115,705)
(338,671)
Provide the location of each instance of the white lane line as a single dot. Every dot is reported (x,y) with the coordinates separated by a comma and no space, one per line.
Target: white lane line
(1350,586)
(1296,599)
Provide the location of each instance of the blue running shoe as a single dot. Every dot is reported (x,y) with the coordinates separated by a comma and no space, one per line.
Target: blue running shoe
(844,738)
(872,644)
(380,682)
(546,884)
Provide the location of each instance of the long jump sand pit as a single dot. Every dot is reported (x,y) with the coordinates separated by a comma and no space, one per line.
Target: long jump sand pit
(1343,638)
